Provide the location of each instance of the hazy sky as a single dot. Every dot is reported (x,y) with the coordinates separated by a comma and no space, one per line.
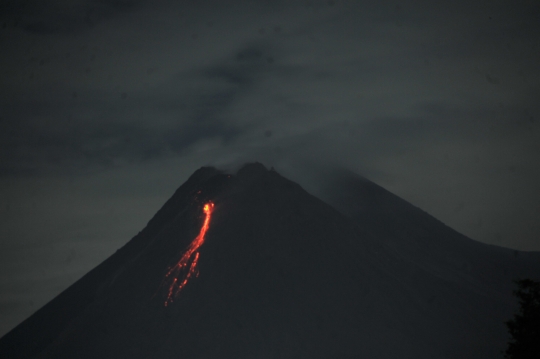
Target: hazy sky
(107,106)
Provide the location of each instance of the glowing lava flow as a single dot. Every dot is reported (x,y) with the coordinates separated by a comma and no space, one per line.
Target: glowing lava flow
(186,267)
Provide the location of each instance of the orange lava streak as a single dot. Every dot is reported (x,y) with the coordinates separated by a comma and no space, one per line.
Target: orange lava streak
(186,267)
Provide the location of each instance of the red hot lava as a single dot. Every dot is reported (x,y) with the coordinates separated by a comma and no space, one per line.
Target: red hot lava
(186,267)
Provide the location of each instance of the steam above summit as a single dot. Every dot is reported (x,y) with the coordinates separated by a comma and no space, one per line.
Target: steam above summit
(281,273)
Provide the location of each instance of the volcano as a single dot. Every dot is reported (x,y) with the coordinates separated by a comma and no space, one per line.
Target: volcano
(264,269)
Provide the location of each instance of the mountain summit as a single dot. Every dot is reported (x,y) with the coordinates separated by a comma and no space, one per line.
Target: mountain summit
(252,266)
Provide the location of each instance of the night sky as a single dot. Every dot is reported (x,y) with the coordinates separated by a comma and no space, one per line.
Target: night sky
(106,107)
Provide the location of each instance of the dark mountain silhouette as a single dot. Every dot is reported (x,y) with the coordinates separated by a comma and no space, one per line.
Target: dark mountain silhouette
(283,274)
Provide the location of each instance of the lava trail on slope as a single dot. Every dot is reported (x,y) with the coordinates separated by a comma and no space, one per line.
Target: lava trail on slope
(178,275)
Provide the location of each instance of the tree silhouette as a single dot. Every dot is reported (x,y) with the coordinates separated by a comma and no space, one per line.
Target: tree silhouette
(525,327)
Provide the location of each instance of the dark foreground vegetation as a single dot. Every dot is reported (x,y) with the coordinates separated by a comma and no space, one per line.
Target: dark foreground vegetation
(525,327)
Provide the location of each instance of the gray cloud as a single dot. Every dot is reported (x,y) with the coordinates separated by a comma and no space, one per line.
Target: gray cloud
(55,130)
(62,17)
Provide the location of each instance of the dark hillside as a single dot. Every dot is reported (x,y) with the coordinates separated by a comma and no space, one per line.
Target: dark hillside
(284,274)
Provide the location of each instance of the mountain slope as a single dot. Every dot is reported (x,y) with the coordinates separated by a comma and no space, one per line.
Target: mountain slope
(481,274)
(283,274)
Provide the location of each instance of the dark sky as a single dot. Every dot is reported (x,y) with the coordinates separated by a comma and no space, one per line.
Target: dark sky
(106,107)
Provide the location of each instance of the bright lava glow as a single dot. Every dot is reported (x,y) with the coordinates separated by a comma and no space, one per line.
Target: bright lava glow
(178,275)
